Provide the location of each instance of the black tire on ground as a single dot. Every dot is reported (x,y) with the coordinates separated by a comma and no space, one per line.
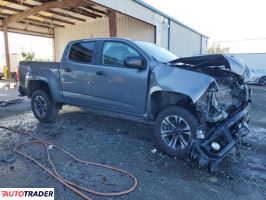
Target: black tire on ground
(262,80)
(186,121)
(43,107)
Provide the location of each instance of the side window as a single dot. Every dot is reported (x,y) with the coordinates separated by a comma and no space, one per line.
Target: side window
(82,52)
(114,53)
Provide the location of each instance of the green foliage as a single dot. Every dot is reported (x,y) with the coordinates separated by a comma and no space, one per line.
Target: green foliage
(216,48)
(30,56)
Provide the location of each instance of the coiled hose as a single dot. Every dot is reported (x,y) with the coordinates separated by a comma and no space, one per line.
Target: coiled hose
(72,186)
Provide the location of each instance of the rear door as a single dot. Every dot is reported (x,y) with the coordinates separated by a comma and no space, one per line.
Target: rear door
(117,87)
(77,72)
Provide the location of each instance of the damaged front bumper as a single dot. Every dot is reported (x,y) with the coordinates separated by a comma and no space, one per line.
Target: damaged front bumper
(218,142)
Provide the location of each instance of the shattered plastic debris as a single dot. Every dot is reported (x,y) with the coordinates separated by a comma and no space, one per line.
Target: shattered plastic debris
(154,151)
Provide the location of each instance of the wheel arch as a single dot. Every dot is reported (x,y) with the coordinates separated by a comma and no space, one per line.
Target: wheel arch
(162,99)
(34,85)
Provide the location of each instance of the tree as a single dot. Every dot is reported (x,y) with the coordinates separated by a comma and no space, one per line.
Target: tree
(29,56)
(216,48)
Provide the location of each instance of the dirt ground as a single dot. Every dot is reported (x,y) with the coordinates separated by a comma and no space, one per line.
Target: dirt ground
(127,145)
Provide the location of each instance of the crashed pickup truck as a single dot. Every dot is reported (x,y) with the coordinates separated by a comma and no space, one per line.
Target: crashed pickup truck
(198,105)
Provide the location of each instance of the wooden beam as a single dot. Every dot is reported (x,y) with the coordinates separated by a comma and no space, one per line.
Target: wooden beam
(34,33)
(66,15)
(57,20)
(7,50)
(27,5)
(53,4)
(42,16)
(45,23)
(35,24)
(96,10)
(82,12)
(112,24)
(87,10)
(9,8)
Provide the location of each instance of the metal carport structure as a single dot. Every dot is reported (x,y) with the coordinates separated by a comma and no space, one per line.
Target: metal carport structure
(65,20)
(42,17)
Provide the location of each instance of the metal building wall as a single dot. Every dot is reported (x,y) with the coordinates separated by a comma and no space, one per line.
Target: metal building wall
(130,8)
(134,9)
(96,28)
(204,45)
(127,27)
(184,42)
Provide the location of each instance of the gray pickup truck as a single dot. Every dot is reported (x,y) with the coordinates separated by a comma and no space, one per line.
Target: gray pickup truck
(198,105)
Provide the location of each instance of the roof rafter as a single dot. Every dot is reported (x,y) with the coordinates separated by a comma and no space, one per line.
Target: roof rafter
(40,15)
(35,22)
(27,5)
(36,9)
(83,12)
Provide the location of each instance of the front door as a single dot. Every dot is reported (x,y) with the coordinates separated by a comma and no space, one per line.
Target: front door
(118,87)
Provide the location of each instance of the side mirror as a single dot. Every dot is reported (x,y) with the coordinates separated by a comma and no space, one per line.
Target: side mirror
(134,62)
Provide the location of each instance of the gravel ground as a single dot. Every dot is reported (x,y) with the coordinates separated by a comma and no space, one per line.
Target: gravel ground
(127,145)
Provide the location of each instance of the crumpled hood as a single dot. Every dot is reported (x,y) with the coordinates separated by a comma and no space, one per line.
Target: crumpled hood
(231,63)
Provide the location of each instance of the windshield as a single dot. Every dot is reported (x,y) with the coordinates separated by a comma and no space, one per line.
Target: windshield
(158,53)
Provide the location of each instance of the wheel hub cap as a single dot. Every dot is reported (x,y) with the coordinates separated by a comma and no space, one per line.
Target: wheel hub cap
(175,132)
(40,106)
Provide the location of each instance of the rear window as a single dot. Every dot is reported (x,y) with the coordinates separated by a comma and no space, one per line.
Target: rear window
(82,52)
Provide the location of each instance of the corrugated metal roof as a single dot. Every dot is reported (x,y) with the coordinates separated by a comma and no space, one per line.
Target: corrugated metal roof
(167,16)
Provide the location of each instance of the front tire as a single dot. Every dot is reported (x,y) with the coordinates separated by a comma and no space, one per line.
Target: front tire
(174,128)
(43,107)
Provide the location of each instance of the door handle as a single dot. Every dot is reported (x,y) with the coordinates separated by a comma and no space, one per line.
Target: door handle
(67,70)
(100,73)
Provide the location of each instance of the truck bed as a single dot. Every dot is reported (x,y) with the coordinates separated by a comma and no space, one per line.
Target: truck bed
(37,69)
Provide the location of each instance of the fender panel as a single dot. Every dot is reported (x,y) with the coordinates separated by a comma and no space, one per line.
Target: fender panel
(172,79)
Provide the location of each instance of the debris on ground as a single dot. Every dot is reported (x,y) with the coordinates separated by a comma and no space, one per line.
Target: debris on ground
(10,102)
(213,179)
(8,159)
(154,151)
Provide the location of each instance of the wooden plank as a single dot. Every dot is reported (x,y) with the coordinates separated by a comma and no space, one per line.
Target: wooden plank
(86,10)
(56,19)
(42,16)
(66,15)
(34,33)
(44,23)
(50,24)
(112,24)
(45,6)
(27,5)
(82,12)
(7,50)
(96,10)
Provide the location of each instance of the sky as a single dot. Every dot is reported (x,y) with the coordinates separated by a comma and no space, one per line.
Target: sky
(237,24)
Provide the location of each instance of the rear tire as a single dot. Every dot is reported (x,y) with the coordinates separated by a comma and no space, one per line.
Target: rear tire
(174,128)
(43,107)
